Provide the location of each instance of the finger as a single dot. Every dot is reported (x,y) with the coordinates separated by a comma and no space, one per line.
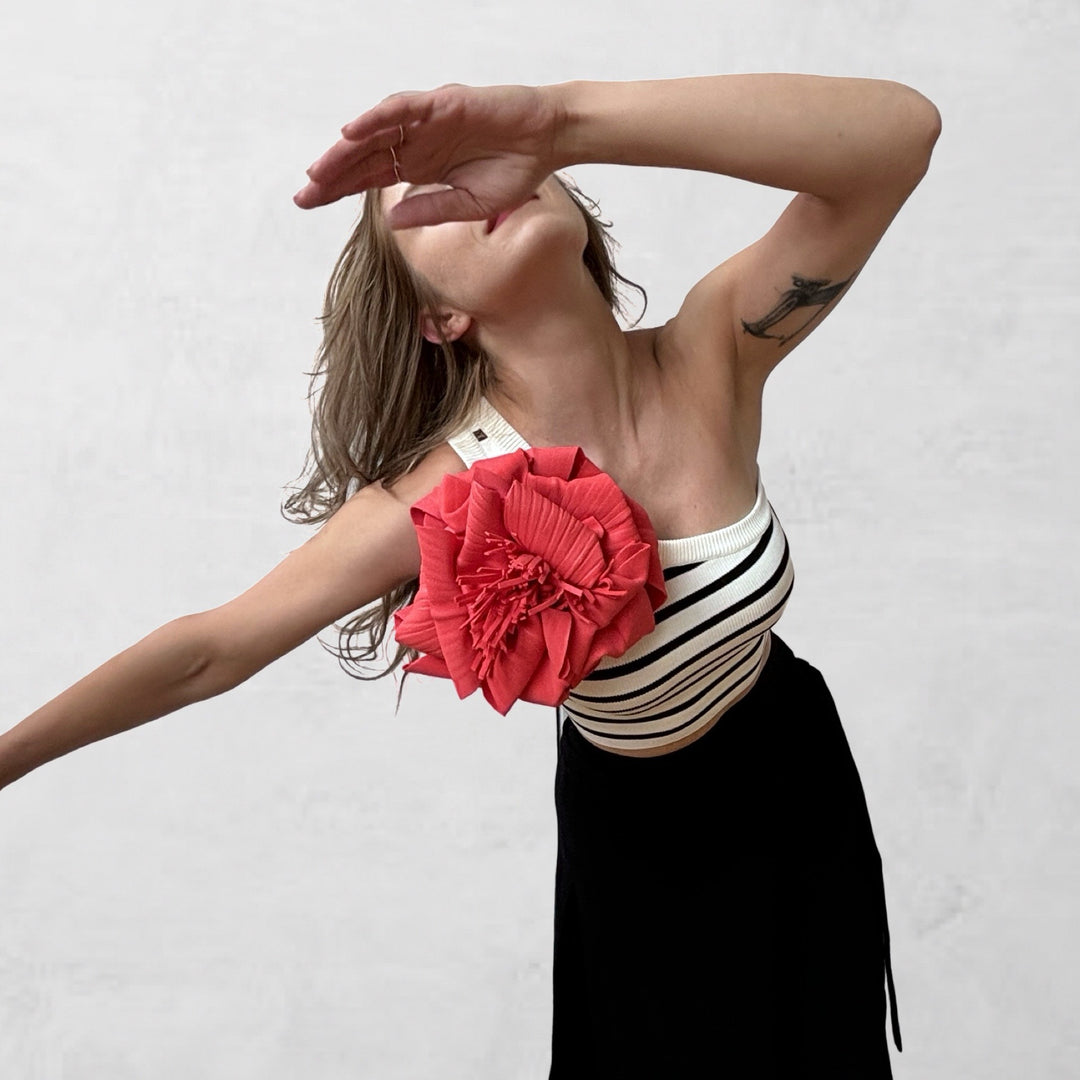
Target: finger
(312,195)
(340,155)
(406,107)
(318,193)
(435,208)
(374,172)
(369,159)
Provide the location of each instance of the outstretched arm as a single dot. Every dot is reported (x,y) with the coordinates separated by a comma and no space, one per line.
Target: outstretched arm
(367,547)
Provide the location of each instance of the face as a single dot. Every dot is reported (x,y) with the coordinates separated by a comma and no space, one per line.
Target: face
(480,274)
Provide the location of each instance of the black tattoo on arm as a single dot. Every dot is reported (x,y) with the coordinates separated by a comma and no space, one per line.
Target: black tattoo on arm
(805,292)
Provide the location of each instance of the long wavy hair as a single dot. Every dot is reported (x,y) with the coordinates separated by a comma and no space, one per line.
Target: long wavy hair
(389,396)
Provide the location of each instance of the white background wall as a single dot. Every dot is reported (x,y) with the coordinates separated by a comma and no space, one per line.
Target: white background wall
(288,879)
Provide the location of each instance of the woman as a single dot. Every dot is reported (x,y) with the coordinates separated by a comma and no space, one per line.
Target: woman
(719,899)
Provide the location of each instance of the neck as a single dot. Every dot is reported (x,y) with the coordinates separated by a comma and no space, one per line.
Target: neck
(565,372)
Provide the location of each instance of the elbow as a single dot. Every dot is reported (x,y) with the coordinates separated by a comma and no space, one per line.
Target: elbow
(928,128)
(920,123)
(933,127)
(201,669)
(185,634)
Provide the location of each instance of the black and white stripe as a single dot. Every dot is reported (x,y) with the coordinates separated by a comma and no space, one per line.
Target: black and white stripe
(709,642)
(726,589)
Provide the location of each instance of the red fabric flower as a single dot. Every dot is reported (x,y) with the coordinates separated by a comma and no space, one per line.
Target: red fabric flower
(534,566)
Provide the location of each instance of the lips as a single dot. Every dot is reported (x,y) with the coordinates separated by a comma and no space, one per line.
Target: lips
(495,222)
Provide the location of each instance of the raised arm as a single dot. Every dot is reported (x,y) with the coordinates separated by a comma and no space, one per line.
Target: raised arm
(364,550)
(854,150)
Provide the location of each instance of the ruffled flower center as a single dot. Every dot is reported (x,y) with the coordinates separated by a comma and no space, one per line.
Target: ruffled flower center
(516,585)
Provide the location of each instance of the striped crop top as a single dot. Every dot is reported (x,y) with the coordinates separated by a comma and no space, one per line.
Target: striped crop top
(725,590)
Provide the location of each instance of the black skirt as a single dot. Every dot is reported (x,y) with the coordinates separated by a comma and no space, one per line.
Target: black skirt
(720,910)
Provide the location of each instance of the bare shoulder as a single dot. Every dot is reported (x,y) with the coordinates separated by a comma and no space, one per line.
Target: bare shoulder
(381,512)
(364,550)
(424,476)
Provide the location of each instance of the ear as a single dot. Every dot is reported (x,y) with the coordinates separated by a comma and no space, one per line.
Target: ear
(454,324)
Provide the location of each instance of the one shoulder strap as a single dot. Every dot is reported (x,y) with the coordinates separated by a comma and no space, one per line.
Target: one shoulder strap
(486,435)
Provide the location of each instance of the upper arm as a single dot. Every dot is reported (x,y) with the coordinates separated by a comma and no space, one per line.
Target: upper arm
(367,548)
(753,309)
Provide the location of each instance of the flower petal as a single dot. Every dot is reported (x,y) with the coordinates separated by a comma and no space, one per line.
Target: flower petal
(557,626)
(458,654)
(534,567)
(485,517)
(545,687)
(428,665)
(498,473)
(655,581)
(512,671)
(640,563)
(545,529)
(635,620)
(561,461)
(600,498)
(438,562)
(414,626)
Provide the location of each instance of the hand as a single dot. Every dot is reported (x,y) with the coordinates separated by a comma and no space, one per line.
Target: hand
(493,146)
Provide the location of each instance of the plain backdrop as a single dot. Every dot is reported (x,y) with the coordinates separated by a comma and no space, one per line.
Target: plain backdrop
(290,879)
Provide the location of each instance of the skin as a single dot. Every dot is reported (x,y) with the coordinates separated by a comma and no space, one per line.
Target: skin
(671,413)
(635,401)
(525,296)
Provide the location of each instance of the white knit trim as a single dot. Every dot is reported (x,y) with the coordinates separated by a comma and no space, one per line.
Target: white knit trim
(487,435)
(725,541)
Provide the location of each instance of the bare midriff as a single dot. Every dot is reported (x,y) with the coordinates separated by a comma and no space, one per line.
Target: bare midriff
(668,748)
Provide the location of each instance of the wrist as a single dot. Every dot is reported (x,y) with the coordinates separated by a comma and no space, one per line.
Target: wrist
(563,99)
(616,123)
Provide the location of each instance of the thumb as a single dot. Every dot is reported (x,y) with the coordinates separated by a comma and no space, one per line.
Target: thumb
(436,207)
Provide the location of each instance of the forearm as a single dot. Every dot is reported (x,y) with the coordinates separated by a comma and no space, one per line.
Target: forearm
(828,136)
(165,671)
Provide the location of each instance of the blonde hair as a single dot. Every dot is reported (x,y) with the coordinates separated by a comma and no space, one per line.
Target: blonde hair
(390,396)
